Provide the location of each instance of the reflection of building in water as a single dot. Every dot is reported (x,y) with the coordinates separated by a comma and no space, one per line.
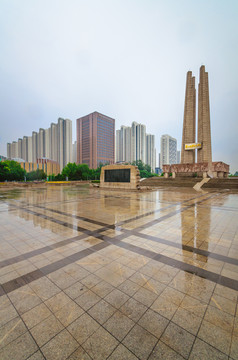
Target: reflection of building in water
(119,206)
(195,230)
(37,220)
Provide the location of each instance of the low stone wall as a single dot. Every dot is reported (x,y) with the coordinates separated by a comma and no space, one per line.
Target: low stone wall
(219,169)
(120,177)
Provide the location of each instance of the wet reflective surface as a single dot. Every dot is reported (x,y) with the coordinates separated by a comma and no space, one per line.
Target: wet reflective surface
(95,274)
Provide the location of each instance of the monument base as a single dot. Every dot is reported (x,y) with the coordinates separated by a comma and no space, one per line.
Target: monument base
(219,170)
(125,177)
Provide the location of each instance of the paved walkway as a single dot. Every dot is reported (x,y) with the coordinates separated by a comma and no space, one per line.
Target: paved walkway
(93,274)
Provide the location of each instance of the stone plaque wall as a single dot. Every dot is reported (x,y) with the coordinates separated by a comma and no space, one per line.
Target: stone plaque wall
(120,177)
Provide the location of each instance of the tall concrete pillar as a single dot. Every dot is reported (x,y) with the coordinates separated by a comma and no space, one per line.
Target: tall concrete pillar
(189,121)
(204,130)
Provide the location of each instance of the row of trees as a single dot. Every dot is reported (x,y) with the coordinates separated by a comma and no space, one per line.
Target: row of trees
(82,172)
(74,171)
(11,171)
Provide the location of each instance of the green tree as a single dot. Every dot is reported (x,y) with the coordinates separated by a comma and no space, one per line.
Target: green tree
(145,170)
(70,171)
(4,171)
(11,170)
(37,174)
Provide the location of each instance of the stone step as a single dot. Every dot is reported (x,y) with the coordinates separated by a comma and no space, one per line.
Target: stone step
(229,183)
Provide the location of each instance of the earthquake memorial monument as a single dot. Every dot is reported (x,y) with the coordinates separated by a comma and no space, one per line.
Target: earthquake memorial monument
(204,166)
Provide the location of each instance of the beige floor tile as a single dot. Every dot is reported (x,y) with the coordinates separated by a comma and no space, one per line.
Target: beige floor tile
(121,352)
(119,325)
(102,289)
(187,320)
(83,327)
(219,318)
(133,309)
(79,354)
(162,351)
(37,356)
(19,349)
(60,347)
(102,311)
(140,342)
(46,330)
(145,296)
(201,350)
(68,313)
(116,298)
(75,290)
(36,315)
(164,307)
(11,331)
(153,322)
(234,348)
(223,304)
(100,345)
(56,302)
(215,336)
(129,287)
(178,339)
(44,288)
(87,300)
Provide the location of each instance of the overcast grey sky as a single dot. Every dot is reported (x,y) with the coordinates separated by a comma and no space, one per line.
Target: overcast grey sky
(124,58)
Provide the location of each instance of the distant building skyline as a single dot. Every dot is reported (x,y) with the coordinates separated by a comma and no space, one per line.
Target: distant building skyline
(132,144)
(54,143)
(95,140)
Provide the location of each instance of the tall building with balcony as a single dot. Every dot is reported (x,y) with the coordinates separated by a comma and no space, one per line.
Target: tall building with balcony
(168,150)
(132,144)
(64,153)
(95,140)
(123,143)
(150,151)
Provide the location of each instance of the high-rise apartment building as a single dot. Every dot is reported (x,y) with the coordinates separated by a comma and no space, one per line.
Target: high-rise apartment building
(54,143)
(132,144)
(20,148)
(64,142)
(150,151)
(74,152)
(168,150)
(95,140)
(141,143)
(123,143)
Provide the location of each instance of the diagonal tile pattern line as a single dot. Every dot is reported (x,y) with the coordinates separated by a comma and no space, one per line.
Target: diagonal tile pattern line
(192,249)
(47,269)
(154,322)
(209,275)
(158,210)
(156,221)
(117,241)
(107,226)
(119,223)
(83,218)
(45,249)
(35,274)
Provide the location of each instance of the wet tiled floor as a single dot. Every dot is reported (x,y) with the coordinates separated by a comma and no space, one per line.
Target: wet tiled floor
(93,274)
